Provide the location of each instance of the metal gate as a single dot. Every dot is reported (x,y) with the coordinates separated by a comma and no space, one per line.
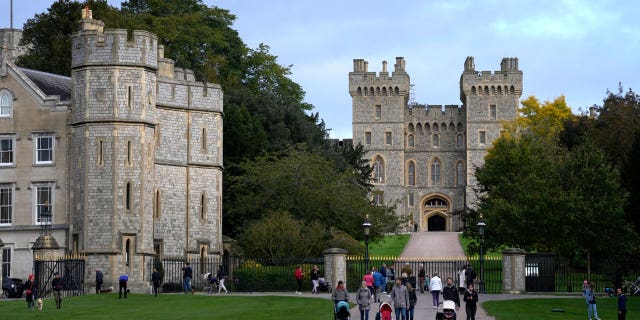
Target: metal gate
(71,271)
(540,271)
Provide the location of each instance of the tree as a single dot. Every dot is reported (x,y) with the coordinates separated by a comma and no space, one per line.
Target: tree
(307,186)
(543,120)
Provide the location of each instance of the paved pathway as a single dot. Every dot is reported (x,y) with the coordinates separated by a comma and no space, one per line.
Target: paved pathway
(433,245)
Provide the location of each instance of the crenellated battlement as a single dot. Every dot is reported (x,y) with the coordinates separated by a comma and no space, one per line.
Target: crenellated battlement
(365,83)
(506,81)
(179,89)
(92,45)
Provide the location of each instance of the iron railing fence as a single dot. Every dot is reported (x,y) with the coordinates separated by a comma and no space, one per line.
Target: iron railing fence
(241,273)
(71,271)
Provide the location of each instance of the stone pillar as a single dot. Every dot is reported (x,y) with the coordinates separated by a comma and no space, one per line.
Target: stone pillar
(335,266)
(513,271)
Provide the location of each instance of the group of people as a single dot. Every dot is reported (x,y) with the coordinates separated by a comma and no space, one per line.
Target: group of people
(187,275)
(31,290)
(589,293)
(403,294)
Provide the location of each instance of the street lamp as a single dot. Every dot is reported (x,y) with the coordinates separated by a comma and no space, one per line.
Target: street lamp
(481,226)
(367,227)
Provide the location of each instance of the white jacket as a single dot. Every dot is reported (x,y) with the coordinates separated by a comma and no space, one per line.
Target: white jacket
(435,284)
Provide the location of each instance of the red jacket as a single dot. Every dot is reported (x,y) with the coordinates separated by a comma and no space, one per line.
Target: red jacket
(298,274)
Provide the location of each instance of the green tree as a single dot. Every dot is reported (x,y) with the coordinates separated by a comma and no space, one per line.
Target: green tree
(309,187)
(544,120)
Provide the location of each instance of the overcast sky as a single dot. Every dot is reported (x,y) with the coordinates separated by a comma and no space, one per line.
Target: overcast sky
(574,48)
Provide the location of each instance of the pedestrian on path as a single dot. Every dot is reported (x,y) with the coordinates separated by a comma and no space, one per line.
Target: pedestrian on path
(590,297)
(450,292)
(471,302)
(421,275)
(57,285)
(400,297)
(220,275)
(298,274)
(315,276)
(435,285)
(622,304)
(413,300)
(363,299)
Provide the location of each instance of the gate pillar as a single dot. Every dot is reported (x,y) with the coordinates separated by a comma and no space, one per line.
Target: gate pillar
(513,271)
(335,266)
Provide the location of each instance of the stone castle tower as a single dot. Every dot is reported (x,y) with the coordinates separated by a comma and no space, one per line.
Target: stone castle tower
(424,155)
(145,155)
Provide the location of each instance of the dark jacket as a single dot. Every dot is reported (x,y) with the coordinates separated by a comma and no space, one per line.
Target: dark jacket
(470,297)
(155,278)
(315,274)
(99,276)
(220,274)
(187,272)
(31,287)
(451,293)
(57,284)
(622,302)
(413,298)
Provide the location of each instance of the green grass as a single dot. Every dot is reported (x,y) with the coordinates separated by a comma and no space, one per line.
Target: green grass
(541,309)
(174,306)
(390,245)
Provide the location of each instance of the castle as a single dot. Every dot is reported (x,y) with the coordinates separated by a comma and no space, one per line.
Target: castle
(122,161)
(424,156)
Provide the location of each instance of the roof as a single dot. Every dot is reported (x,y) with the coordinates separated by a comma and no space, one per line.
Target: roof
(50,84)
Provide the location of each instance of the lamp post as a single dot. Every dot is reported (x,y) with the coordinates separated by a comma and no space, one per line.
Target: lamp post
(367,227)
(481,226)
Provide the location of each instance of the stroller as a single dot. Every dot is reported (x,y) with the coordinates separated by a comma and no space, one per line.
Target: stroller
(324,285)
(210,283)
(448,310)
(385,311)
(341,311)
(632,288)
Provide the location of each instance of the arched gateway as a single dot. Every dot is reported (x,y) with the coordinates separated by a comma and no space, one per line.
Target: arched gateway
(435,214)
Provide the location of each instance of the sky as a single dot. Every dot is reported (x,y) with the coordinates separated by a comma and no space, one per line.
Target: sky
(579,49)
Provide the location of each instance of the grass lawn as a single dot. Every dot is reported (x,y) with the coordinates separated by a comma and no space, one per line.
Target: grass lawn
(174,306)
(390,245)
(574,309)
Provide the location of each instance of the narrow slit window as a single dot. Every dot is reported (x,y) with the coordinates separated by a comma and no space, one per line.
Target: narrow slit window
(127,196)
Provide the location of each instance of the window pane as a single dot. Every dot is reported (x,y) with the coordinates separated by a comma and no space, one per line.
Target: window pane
(6,262)
(5,105)
(43,204)
(6,151)
(6,205)
(44,149)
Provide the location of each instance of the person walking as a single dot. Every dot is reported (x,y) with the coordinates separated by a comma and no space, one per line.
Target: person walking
(315,275)
(187,274)
(450,292)
(155,279)
(99,280)
(400,298)
(220,275)
(363,299)
(622,304)
(421,276)
(378,283)
(340,293)
(413,300)
(590,297)
(57,285)
(471,302)
(299,275)
(122,285)
(383,272)
(369,280)
(30,291)
(435,285)
(469,274)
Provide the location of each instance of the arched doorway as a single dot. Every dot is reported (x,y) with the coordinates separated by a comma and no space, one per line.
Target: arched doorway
(435,213)
(437,223)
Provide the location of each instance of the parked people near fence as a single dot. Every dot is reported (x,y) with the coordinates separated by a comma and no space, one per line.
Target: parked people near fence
(462,284)
(363,299)
(413,300)
(469,274)
(383,272)
(590,298)
(221,276)
(156,279)
(122,286)
(340,293)
(99,280)
(315,275)
(187,275)
(299,275)
(400,297)
(435,285)
(378,283)
(30,288)
(57,284)
(622,304)
(421,276)
(450,292)
(470,302)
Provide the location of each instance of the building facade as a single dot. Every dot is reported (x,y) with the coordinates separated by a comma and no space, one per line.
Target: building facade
(126,154)
(424,156)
